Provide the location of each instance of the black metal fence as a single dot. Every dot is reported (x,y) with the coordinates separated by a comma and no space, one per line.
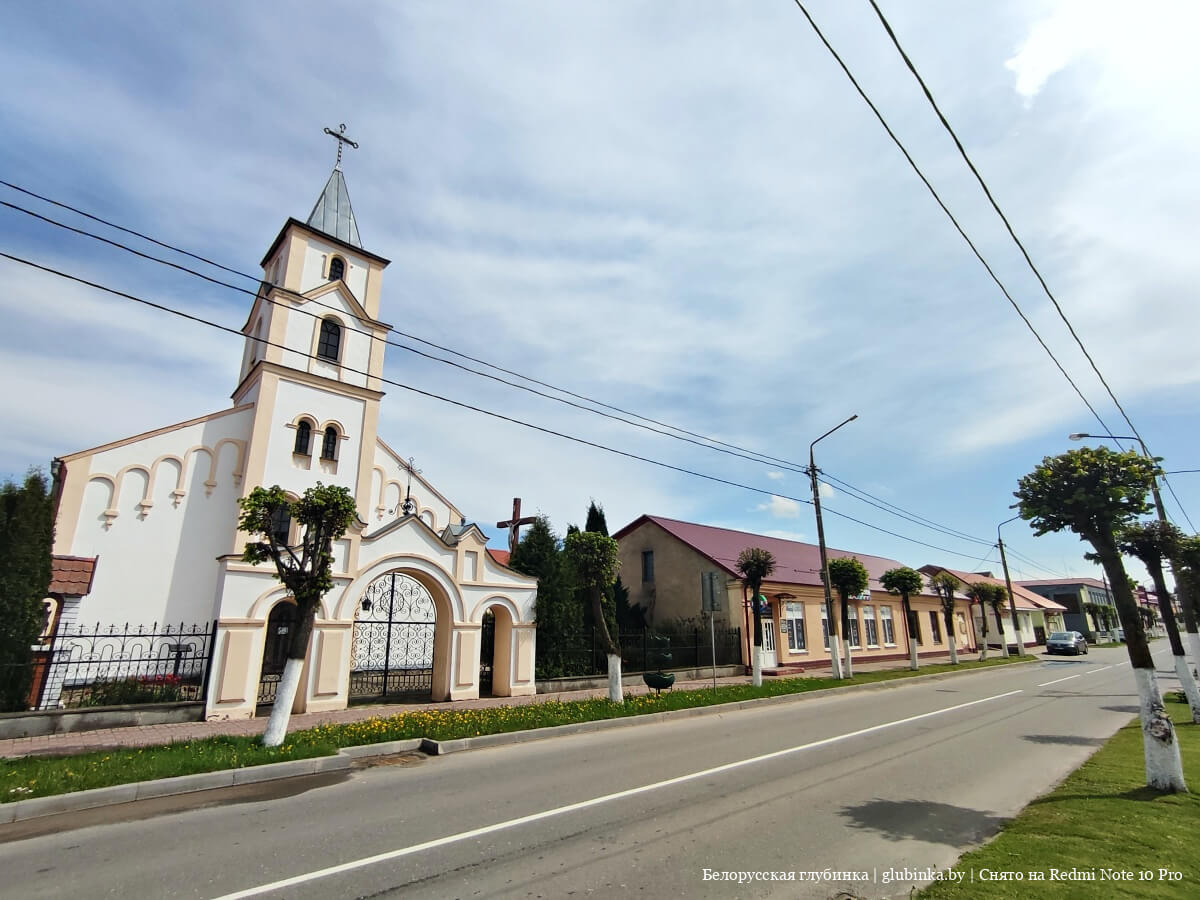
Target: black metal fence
(115,665)
(689,648)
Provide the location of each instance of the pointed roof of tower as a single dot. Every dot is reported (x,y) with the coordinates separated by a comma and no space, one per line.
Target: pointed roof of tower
(332,215)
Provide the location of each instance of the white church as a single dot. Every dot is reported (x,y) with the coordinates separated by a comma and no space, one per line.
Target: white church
(419,607)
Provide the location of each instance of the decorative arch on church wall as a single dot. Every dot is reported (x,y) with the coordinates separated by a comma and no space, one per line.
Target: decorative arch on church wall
(496,600)
(447,598)
(265,602)
(184,464)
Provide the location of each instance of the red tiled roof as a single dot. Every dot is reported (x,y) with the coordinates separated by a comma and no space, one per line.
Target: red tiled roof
(795,562)
(72,576)
(500,556)
(1025,599)
(1051,582)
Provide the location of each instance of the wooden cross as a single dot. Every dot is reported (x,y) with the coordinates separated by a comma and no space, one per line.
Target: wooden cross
(340,137)
(514,524)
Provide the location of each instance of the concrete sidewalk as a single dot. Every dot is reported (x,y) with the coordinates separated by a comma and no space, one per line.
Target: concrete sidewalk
(153,735)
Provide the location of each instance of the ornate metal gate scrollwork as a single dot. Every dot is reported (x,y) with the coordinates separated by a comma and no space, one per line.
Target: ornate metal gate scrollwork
(393,639)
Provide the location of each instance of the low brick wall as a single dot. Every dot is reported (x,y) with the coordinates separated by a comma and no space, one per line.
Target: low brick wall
(67,721)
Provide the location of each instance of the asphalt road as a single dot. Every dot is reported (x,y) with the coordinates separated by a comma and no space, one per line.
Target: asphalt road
(902,778)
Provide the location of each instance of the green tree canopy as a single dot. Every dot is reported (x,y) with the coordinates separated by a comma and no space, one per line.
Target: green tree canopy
(26,535)
(848,577)
(595,560)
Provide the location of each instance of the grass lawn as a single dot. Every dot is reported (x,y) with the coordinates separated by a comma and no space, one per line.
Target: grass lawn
(1101,817)
(39,776)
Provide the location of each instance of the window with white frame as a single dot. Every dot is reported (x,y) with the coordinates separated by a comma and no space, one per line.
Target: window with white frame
(889,627)
(869,626)
(935,626)
(825,625)
(853,636)
(793,624)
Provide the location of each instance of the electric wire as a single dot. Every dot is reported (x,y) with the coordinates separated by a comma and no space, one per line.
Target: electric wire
(937,197)
(467,406)
(734,450)
(1012,233)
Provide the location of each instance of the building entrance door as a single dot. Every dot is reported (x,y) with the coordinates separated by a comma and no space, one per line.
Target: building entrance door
(769,657)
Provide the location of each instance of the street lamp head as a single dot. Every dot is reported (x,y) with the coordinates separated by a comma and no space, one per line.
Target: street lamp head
(1078,436)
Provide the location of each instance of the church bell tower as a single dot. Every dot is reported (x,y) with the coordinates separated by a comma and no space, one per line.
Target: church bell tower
(313,357)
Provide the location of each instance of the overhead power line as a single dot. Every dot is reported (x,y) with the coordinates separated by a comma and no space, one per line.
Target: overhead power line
(945,209)
(685,435)
(1009,228)
(467,406)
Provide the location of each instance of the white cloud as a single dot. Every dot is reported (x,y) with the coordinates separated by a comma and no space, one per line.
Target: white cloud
(776,476)
(780,508)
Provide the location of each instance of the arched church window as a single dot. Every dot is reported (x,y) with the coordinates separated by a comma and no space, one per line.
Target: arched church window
(303,438)
(281,525)
(329,443)
(337,269)
(330,342)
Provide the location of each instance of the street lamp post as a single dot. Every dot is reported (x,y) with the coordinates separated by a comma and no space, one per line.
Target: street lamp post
(812,474)
(1012,600)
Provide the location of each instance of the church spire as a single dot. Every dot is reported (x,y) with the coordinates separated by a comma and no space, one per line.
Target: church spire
(332,214)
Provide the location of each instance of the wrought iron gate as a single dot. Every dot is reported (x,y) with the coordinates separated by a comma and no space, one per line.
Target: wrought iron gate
(393,640)
(487,646)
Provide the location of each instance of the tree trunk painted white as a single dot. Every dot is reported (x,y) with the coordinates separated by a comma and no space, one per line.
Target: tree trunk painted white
(1164,768)
(835,658)
(848,668)
(285,696)
(913,663)
(756,666)
(953,649)
(983,652)
(614,678)
(1188,683)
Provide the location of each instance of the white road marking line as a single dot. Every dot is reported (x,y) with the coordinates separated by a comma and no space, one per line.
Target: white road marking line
(1094,671)
(1057,680)
(585,804)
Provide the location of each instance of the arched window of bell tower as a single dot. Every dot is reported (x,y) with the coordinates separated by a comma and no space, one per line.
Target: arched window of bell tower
(329,344)
(337,268)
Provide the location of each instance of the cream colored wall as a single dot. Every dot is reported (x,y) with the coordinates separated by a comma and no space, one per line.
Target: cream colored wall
(675,591)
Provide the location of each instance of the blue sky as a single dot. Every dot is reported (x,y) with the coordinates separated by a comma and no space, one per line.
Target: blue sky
(681,209)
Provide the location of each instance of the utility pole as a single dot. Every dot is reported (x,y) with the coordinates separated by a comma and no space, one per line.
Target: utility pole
(1012,600)
(834,655)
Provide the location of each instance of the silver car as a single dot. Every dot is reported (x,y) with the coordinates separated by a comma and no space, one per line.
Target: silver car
(1071,642)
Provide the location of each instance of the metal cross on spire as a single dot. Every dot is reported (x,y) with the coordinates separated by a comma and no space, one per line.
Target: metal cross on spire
(409,506)
(340,137)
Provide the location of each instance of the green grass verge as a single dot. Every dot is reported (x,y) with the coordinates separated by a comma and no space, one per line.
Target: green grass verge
(1101,818)
(38,776)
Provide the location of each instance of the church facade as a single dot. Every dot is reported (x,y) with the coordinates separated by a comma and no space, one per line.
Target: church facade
(418,604)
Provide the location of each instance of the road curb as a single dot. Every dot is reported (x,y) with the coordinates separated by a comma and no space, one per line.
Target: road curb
(345,758)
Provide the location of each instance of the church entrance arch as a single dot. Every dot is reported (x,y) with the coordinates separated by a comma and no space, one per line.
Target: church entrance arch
(495,652)
(392,652)
(280,623)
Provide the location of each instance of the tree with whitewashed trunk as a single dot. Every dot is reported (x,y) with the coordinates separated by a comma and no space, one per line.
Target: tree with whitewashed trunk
(1152,542)
(1187,570)
(989,596)
(595,560)
(943,584)
(905,582)
(323,514)
(849,578)
(755,565)
(1094,491)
